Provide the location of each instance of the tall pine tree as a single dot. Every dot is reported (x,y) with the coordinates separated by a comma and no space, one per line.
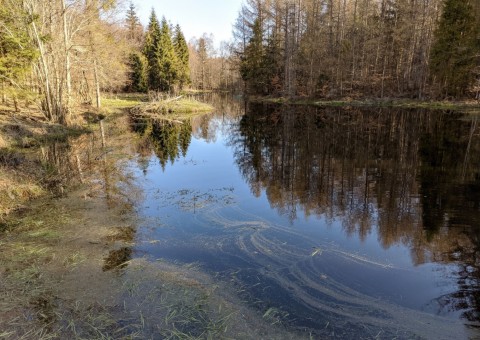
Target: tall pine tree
(151,50)
(181,51)
(134,27)
(139,73)
(167,59)
(456,50)
(253,68)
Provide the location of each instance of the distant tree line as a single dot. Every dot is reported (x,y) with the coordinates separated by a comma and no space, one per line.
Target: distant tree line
(360,48)
(60,54)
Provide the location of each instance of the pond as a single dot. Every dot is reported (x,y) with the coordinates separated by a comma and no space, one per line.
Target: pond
(328,222)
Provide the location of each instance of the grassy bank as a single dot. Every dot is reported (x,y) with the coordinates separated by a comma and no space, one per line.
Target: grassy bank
(25,172)
(466,106)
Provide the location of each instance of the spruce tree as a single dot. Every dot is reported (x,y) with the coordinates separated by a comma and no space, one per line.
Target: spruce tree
(139,72)
(252,68)
(167,59)
(456,50)
(151,52)
(181,51)
(134,27)
(271,66)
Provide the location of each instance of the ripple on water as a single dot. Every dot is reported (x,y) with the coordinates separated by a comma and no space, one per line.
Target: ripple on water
(305,284)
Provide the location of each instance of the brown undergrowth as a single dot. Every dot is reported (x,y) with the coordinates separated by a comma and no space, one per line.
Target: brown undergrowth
(26,139)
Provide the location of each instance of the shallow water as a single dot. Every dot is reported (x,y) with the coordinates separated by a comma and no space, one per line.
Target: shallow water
(332,222)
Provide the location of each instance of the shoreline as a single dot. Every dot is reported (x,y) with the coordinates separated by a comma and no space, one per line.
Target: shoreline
(69,264)
(469,106)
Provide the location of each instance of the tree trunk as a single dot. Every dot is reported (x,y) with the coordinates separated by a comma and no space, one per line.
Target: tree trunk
(97,84)
(68,81)
(4,95)
(44,75)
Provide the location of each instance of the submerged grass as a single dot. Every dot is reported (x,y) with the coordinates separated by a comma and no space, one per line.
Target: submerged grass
(23,175)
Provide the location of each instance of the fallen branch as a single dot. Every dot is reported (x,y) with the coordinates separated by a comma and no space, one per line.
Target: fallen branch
(172,99)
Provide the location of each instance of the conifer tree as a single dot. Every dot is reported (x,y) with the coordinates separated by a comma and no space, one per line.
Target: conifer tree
(134,27)
(252,66)
(271,66)
(16,49)
(456,50)
(167,59)
(139,73)
(181,51)
(151,52)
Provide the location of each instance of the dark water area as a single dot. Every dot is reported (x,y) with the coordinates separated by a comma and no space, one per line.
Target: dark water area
(330,222)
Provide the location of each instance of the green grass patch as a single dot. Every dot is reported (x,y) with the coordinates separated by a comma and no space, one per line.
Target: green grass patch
(172,108)
(112,105)
(44,234)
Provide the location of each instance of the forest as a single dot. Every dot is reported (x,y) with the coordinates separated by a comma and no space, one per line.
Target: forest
(360,48)
(59,54)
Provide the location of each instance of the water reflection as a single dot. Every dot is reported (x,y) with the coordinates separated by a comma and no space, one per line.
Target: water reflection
(397,183)
(167,139)
(88,159)
(412,177)
(64,162)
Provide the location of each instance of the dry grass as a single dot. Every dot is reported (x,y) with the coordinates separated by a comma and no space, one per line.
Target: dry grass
(172,109)
(23,174)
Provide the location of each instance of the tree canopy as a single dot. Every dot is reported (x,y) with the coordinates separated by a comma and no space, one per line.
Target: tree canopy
(17,51)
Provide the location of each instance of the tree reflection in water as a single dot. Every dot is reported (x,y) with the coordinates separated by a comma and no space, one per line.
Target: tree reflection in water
(169,140)
(411,176)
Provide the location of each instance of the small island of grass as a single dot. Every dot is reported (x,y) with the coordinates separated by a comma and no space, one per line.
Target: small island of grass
(174,108)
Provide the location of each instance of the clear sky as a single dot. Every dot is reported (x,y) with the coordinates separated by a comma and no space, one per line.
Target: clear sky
(194,16)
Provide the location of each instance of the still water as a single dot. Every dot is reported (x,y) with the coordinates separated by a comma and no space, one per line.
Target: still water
(330,222)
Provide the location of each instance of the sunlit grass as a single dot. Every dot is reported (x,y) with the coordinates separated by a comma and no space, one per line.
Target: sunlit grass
(44,234)
(123,100)
(172,108)
(119,103)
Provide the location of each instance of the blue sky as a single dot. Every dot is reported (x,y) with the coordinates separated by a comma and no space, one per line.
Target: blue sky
(194,16)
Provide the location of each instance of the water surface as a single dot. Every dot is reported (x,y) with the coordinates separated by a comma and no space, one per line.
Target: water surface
(332,222)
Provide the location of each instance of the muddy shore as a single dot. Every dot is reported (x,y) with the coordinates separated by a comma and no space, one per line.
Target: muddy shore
(66,264)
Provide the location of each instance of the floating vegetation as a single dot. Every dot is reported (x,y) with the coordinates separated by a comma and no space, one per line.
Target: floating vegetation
(195,200)
(316,251)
